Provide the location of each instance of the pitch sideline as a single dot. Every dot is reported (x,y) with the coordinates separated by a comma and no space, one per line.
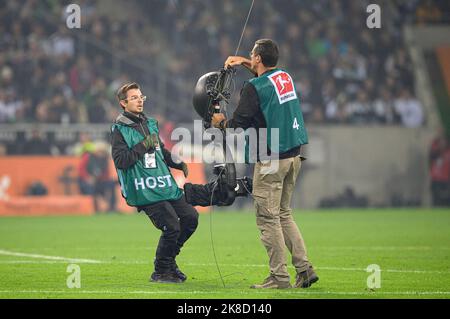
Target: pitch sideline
(71,260)
(196,292)
(59,259)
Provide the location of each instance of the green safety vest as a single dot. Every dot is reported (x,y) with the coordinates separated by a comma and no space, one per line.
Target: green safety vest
(281,109)
(143,186)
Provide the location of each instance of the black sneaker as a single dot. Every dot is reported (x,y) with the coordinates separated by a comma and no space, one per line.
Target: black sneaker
(180,274)
(306,278)
(167,277)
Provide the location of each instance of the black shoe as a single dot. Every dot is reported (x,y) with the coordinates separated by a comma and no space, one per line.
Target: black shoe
(167,277)
(179,273)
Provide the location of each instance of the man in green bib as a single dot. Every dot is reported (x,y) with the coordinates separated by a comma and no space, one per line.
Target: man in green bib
(142,165)
(269,102)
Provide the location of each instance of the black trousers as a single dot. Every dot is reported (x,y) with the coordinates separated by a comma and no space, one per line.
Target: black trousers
(177,220)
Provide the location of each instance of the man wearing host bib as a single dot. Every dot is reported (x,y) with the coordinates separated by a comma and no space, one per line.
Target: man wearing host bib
(142,165)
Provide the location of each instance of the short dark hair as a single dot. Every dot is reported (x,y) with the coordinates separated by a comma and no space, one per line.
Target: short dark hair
(122,91)
(268,50)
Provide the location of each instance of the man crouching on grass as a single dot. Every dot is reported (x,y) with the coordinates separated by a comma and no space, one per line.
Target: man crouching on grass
(142,165)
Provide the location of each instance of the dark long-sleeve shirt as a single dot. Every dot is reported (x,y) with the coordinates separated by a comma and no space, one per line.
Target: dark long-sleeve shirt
(124,157)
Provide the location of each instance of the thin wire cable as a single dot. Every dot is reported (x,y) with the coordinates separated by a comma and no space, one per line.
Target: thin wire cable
(212,193)
(243,29)
(248,191)
(210,227)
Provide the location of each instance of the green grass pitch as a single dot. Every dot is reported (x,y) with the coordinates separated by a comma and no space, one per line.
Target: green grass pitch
(412,248)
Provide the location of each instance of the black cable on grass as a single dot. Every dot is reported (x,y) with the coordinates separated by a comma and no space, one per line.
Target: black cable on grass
(215,182)
(210,227)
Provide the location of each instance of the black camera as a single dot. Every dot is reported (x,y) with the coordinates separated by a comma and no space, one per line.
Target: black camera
(222,191)
(211,90)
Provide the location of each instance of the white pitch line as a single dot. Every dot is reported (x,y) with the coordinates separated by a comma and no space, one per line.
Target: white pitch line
(382,247)
(139,262)
(37,262)
(72,260)
(332,268)
(334,248)
(388,270)
(225,291)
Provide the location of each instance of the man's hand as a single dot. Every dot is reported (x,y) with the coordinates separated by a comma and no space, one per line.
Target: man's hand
(150,142)
(185,169)
(236,60)
(216,119)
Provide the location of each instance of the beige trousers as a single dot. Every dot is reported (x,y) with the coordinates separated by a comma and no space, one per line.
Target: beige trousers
(273,185)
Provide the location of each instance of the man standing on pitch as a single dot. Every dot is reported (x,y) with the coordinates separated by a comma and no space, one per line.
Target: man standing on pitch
(270,101)
(142,165)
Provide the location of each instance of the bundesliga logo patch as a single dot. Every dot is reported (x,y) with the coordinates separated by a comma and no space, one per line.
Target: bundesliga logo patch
(283,86)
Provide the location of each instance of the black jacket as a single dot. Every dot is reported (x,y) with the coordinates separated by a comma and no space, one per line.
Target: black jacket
(123,156)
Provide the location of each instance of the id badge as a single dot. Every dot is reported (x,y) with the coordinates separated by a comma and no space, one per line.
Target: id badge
(150,160)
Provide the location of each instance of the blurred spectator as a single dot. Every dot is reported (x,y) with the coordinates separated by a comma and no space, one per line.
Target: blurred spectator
(62,44)
(350,66)
(97,102)
(94,177)
(360,110)
(58,111)
(9,107)
(304,94)
(409,109)
(80,75)
(84,145)
(329,97)
(439,159)
(384,108)
(71,76)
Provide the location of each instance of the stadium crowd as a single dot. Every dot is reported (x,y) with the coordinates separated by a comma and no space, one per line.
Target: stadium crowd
(346,72)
